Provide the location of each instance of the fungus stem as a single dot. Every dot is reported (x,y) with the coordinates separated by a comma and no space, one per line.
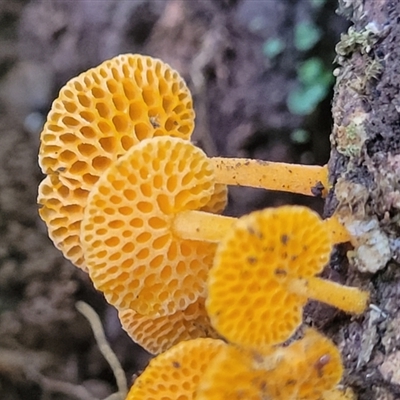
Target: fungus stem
(200,225)
(272,175)
(348,299)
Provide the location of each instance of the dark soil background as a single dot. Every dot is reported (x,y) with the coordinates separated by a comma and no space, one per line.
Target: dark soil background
(47,349)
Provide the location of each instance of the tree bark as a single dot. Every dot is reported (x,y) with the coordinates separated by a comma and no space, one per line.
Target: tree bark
(364,171)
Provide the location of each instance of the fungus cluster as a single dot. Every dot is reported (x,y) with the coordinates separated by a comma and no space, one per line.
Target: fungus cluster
(102,113)
(146,245)
(131,201)
(262,276)
(98,116)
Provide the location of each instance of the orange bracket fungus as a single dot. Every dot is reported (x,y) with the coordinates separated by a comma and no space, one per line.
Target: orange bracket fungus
(146,245)
(307,369)
(176,373)
(97,117)
(158,334)
(264,273)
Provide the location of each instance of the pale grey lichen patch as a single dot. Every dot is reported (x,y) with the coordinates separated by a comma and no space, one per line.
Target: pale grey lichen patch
(372,248)
(374,251)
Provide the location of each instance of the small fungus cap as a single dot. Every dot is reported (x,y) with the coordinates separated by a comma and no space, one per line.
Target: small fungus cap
(131,252)
(304,370)
(97,117)
(176,373)
(158,334)
(248,299)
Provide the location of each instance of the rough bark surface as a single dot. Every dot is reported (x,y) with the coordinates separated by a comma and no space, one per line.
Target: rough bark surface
(365,168)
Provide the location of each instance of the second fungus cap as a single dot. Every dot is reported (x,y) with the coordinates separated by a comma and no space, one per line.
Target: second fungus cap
(131,252)
(248,301)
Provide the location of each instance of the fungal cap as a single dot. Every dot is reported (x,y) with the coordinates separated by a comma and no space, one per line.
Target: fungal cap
(97,117)
(248,301)
(131,253)
(306,370)
(176,373)
(158,334)
(106,110)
